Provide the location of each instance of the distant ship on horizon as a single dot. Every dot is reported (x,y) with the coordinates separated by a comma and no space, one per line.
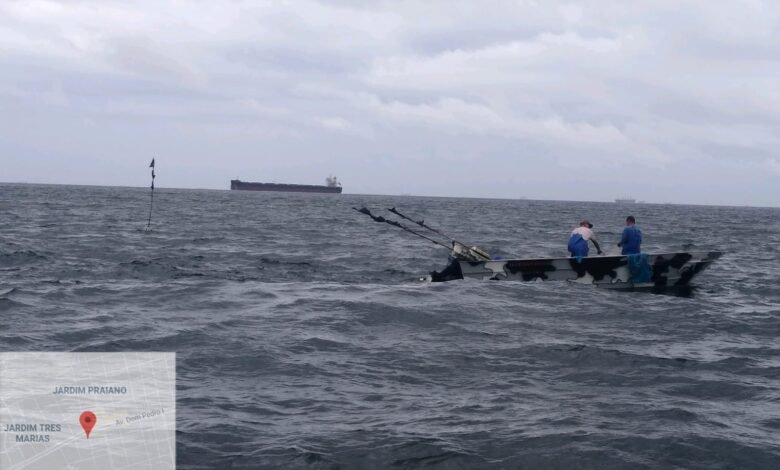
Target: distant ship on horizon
(625,200)
(332,185)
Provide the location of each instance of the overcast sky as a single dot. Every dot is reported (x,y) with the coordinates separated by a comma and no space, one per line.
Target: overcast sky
(664,101)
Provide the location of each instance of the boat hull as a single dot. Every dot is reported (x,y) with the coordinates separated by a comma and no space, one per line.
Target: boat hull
(288,188)
(658,271)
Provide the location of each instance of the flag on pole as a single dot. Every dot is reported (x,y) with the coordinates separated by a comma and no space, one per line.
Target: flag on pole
(148,227)
(151,165)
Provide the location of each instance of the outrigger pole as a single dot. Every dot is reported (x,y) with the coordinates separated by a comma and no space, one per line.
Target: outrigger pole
(421,223)
(148,227)
(379,218)
(457,246)
(460,250)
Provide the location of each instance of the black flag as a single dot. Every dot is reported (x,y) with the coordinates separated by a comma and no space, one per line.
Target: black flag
(151,165)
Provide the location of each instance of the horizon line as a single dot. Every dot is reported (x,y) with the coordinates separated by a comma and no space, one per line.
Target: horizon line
(519,198)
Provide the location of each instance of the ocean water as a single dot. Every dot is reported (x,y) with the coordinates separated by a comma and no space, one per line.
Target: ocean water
(305,339)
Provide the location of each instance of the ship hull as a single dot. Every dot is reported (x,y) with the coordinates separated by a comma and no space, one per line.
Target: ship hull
(238,185)
(657,271)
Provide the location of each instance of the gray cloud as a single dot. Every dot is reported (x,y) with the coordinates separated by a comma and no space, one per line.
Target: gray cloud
(666,101)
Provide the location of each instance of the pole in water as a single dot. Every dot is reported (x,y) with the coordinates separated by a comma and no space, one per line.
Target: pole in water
(148,227)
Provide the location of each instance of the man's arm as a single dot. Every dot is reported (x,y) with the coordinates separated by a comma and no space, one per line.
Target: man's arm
(624,237)
(596,244)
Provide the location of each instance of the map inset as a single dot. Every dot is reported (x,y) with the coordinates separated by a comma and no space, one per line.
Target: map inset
(87,411)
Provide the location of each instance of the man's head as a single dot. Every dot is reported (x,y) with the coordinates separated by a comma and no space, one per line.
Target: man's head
(585,223)
(630,220)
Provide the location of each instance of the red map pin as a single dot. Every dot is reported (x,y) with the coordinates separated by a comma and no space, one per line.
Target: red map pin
(88,420)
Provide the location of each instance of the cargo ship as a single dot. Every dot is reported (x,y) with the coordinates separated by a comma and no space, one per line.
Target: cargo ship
(332,185)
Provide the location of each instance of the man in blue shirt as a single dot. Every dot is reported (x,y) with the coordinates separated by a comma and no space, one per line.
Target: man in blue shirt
(632,237)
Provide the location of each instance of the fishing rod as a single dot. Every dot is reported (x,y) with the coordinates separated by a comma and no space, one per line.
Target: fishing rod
(457,246)
(458,249)
(148,227)
(379,218)
(421,223)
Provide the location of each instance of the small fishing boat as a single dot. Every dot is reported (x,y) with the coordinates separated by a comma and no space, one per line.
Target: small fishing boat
(656,271)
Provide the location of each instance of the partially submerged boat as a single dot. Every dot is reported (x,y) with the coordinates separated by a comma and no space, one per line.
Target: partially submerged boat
(656,270)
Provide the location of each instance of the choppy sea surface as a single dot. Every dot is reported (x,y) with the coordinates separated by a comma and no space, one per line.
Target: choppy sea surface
(305,339)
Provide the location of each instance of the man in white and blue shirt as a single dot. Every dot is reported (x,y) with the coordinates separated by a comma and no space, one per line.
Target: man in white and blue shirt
(578,240)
